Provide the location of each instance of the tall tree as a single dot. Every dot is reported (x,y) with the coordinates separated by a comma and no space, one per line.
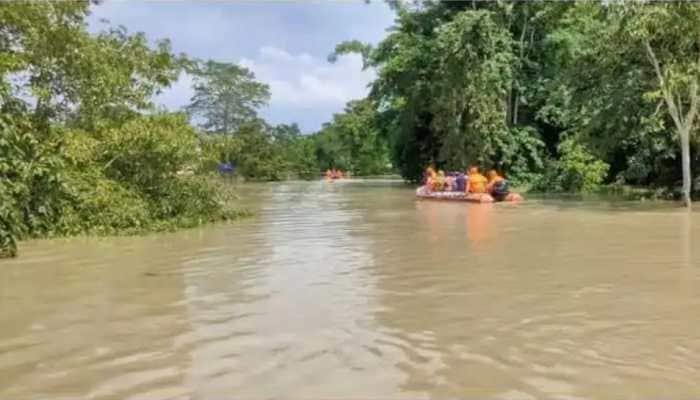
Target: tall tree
(74,76)
(226,96)
(624,56)
(447,89)
(669,34)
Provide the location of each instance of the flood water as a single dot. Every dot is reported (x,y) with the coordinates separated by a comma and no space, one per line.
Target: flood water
(356,290)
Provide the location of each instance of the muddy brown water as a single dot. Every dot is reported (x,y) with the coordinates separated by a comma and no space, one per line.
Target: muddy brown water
(356,290)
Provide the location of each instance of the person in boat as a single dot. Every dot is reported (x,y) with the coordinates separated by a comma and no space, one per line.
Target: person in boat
(497,186)
(429,177)
(476,183)
(449,182)
(460,182)
(329,174)
(439,181)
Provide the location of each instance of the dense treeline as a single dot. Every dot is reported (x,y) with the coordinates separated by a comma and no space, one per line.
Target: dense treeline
(562,95)
(82,149)
(353,142)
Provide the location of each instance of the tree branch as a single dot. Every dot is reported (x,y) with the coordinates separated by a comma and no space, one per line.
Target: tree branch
(672,109)
(692,112)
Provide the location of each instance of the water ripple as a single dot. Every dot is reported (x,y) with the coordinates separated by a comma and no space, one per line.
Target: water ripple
(355,290)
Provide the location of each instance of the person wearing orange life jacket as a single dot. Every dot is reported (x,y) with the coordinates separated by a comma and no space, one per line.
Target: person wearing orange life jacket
(476,183)
(430,177)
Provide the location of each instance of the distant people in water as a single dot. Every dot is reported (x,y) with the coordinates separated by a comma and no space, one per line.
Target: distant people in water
(334,174)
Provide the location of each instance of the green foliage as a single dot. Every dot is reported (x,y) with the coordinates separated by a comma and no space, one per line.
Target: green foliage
(521,153)
(297,152)
(256,158)
(76,154)
(498,83)
(98,205)
(145,152)
(226,96)
(474,73)
(353,141)
(133,178)
(576,170)
(10,222)
(30,181)
(448,88)
(260,152)
(15,143)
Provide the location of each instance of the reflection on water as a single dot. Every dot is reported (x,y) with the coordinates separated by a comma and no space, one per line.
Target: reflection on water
(356,290)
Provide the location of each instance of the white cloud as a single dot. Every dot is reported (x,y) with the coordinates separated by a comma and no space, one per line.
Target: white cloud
(304,81)
(299,83)
(284,42)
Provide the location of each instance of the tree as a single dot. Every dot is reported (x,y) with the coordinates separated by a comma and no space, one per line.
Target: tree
(446,86)
(623,56)
(76,152)
(75,77)
(353,141)
(226,96)
(297,151)
(669,34)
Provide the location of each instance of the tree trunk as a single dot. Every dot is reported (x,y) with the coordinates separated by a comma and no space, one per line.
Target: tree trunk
(685,160)
(684,123)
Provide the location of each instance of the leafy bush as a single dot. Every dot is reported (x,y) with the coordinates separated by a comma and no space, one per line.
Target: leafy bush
(99,205)
(147,150)
(192,200)
(521,154)
(10,222)
(121,180)
(87,153)
(30,181)
(576,170)
(261,153)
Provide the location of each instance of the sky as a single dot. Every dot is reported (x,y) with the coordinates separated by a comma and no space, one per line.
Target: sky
(285,43)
